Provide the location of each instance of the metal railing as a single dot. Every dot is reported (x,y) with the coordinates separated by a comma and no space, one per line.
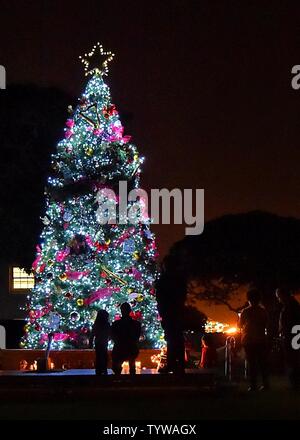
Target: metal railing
(229,347)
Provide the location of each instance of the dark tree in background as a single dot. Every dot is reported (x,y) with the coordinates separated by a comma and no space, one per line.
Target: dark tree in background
(194,319)
(256,248)
(31,121)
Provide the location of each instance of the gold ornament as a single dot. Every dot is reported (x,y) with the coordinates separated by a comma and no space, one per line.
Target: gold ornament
(103,58)
(55,166)
(93,315)
(129,290)
(140,298)
(135,157)
(50,263)
(63,277)
(136,255)
(89,151)
(80,302)
(107,241)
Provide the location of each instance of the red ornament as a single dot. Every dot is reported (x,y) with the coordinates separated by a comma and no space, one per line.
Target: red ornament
(109,111)
(136,315)
(101,247)
(42,268)
(103,274)
(32,316)
(72,335)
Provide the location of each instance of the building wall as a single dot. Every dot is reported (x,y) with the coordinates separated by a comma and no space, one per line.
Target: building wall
(10,303)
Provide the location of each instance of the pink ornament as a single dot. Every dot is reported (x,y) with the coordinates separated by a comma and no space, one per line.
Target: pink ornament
(116,133)
(38,258)
(89,241)
(100,294)
(126,139)
(76,275)
(70,123)
(98,131)
(68,134)
(122,238)
(136,273)
(43,338)
(117,129)
(60,336)
(62,255)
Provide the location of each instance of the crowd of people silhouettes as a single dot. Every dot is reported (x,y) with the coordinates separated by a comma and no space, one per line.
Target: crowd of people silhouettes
(253,322)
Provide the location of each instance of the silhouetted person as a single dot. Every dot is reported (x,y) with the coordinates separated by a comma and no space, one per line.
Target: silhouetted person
(253,324)
(100,335)
(171,296)
(125,335)
(289,317)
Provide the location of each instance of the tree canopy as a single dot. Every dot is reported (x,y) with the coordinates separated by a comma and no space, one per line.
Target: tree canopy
(256,249)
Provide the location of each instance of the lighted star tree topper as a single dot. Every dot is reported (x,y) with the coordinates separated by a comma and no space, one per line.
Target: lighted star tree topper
(83,265)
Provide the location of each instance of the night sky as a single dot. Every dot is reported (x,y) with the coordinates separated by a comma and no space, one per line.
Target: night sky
(208,84)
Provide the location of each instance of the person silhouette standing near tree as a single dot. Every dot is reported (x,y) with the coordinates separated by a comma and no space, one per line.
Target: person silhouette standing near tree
(171,297)
(126,333)
(99,336)
(289,317)
(253,324)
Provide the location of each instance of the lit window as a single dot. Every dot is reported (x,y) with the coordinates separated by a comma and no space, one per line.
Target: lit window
(21,280)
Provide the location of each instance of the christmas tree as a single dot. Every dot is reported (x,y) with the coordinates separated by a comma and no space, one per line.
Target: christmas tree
(85,262)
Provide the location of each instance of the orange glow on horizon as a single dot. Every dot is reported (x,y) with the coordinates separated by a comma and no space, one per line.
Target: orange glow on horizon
(231,330)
